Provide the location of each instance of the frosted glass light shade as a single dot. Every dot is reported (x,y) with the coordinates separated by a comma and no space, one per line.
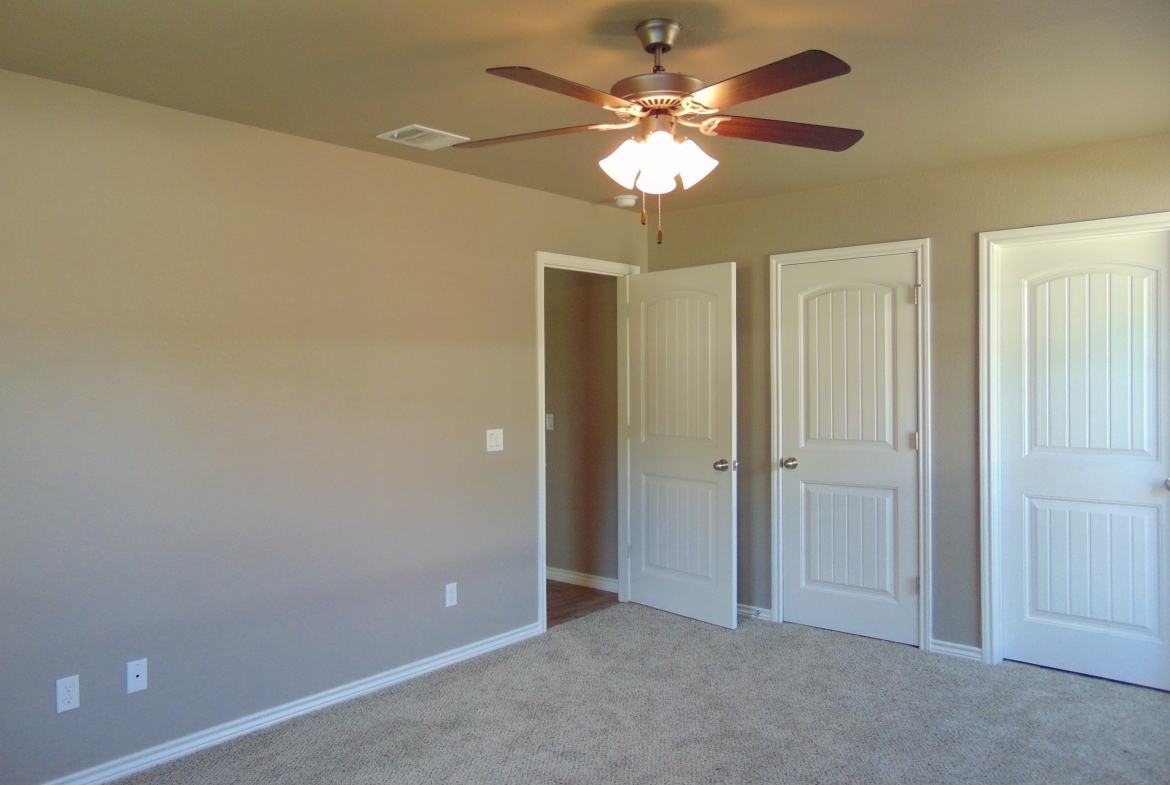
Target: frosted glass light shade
(623,164)
(693,163)
(655,185)
(659,160)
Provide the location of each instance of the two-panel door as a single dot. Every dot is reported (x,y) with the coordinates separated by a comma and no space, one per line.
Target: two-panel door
(682,459)
(847,380)
(1081,401)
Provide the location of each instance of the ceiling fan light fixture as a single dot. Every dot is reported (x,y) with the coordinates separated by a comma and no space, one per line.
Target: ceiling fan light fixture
(623,164)
(659,156)
(693,163)
(653,164)
(654,184)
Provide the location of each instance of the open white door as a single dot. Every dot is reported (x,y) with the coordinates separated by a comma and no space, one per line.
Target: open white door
(681,549)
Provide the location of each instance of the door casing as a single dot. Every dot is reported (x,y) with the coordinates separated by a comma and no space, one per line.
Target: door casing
(921,250)
(990,266)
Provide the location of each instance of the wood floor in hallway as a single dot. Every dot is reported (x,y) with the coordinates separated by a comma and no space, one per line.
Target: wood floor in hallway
(567,602)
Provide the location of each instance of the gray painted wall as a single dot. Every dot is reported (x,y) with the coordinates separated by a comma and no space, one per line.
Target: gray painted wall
(244,384)
(580,334)
(950,207)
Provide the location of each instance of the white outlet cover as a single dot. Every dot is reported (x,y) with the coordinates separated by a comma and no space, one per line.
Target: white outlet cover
(452,594)
(495,440)
(548,422)
(68,693)
(135,676)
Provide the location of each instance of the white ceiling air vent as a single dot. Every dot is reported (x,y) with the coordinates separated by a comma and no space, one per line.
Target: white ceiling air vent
(423,137)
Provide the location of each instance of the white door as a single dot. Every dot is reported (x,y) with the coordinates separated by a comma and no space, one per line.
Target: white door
(1082,357)
(682,442)
(847,373)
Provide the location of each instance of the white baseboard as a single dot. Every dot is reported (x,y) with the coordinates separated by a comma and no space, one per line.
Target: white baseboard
(171,750)
(957,650)
(752,612)
(581,579)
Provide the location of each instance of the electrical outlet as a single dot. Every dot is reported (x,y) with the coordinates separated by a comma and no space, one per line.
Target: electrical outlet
(495,440)
(68,693)
(452,594)
(548,422)
(136,676)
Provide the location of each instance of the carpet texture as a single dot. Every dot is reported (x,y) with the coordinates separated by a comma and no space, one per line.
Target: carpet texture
(633,695)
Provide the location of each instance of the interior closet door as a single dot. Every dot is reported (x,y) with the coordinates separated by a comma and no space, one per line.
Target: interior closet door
(848,410)
(1081,394)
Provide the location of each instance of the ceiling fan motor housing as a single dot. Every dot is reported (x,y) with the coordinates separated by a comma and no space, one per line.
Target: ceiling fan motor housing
(656,91)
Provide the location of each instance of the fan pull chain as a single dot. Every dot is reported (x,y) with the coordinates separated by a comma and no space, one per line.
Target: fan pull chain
(643,208)
(660,219)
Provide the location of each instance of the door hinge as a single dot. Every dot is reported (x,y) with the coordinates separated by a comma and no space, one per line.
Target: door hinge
(918,585)
(917,289)
(914,442)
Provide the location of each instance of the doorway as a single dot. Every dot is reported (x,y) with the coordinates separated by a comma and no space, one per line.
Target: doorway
(581,372)
(676,445)
(581,445)
(851,440)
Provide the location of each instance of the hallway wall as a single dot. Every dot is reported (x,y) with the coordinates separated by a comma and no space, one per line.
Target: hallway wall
(580,333)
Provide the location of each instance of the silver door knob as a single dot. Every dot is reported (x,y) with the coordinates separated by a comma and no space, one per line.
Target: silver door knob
(788,463)
(721,465)
(1167,483)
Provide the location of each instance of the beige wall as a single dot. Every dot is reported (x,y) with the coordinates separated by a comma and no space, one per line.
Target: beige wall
(244,383)
(950,207)
(580,339)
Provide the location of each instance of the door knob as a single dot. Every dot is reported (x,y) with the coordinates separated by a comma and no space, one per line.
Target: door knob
(1167,483)
(788,463)
(721,465)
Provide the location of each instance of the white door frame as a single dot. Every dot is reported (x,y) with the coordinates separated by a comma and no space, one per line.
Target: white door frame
(990,536)
(621,272)
(921,250)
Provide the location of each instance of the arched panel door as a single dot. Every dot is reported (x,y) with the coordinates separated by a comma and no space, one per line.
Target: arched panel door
(1078,427)
(682,533)
(848,383)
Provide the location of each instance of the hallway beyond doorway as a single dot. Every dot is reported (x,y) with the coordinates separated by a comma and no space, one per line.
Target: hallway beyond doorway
(567,602)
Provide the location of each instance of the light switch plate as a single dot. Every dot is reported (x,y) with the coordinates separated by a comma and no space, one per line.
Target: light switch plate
(452,594)
(135,676)
(548,422)
(495,440)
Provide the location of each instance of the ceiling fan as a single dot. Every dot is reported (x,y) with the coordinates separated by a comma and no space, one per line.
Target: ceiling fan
(659,103)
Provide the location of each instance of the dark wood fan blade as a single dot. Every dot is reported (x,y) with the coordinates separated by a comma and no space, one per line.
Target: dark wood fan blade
(819,137)
(530,76)
(796,71)
(525,137)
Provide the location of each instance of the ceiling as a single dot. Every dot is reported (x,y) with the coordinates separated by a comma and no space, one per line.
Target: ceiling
(934,82)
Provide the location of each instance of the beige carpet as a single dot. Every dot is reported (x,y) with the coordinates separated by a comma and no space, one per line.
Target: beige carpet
(632,695)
